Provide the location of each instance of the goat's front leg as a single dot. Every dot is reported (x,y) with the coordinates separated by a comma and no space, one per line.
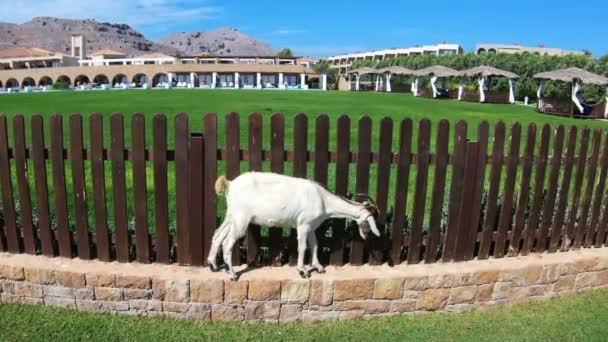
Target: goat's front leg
(302,234)
(314,250)
(227,246)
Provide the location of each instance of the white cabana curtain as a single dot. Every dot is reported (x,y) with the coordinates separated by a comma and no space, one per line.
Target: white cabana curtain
(461,90)
(434,86)
(575,89)
(389,88)
(377,82)
(511,91)
(539,96)
(482,93)
(357,82)
(415,87)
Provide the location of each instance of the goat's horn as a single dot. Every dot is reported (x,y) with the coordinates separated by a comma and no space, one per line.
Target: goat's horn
(372,225)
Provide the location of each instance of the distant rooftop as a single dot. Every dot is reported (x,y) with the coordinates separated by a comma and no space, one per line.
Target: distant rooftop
(21,52)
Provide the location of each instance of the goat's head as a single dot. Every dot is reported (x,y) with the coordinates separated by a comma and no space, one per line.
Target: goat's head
(367,221)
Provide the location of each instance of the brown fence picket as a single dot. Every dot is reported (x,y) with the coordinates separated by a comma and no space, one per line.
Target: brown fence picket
(161,192)
(47,239)
(490,219)
(524,190)
(364,156)
(477,197)
(385,158)
(210,176)
(142,236)
(321,162)
(539,183)
(233,164)
(255,164)
(63,234)
(300,158)
(506,210)
(196,199)
(119,187)
(103,241)
(182,177)
(422,173)
(342,172)
(13,239)
(401,190)
(277,162)
(562,201)
(460,140)
(441,163)
(463,235)
(23,188)
(572,228)
(600,224)
(588,228)
(79,184)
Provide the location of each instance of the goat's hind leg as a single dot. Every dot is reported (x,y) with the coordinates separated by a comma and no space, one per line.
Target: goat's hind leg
(302,234)
(314,252)
(218,237)
(239,229)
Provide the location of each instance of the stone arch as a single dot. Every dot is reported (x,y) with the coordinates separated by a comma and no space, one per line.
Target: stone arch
(120,79)
(481,51)
(45,81)
(64,79)
(1,84)
(81,80)
(140,80)
(161,77)
(492,51)
(12,83)
(101,79)
(28,82)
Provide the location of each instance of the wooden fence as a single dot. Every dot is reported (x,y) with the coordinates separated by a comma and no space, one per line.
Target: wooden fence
(466,202)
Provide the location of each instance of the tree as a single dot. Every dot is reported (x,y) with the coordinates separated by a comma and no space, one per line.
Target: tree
(285,53)
(323,67)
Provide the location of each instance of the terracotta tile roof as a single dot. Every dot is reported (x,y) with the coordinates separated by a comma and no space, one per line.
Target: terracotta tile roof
(20,52)
(155,55)
(107,52)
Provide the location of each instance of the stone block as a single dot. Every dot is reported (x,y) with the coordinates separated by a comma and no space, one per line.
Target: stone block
(70,279)
(133,281)
(171,290)
(321,292)
(550,274)
(462,294)
(410,294)
(58,291)
(484,293)
(318,316)
(199,312)
(389,288)
(27,290)
(290,313)
(353,289)
(108,294)
(518,294)
(40,276)
(264,290)
(501,290)
(403,305)
(222,312)
(450,280)
(348,315)
(418,283)
(295,291)
(235,292)
(262,311)
(11,299)
(176,306)
(32,301)
(433,299)
(485,277)
(117,306)
(458,308)
(90,305)
(350,305)
(564,283)
(87,293)
(588,279)
(66,303)
(377,306)
(130,294)
(11,272)
(538,290)
(146,305)
(100,279)
(207,291)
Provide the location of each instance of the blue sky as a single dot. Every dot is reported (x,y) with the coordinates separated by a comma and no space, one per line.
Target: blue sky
(323,28)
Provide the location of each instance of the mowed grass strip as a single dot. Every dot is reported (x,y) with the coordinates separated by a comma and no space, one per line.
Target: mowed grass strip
(581,317)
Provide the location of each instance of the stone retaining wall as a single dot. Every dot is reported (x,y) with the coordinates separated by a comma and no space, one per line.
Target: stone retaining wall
(277,295)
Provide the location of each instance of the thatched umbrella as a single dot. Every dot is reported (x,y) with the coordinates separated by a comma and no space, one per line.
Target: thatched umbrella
(434,71)
(574,76)
(360,72)
(482,73)
(393,70)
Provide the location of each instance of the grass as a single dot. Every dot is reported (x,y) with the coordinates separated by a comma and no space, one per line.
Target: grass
(198,102)
(581,317)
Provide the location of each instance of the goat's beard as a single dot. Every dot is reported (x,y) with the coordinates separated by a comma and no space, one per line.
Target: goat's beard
(364,229)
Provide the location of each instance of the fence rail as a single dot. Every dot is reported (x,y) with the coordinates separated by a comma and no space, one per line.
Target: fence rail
(541,191)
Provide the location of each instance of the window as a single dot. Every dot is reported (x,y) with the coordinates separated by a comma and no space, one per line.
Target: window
(205,79)
(290,80)
(226,81)
(248,80)
(269,81)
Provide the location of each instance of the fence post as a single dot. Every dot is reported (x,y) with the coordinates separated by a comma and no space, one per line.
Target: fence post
(196,174)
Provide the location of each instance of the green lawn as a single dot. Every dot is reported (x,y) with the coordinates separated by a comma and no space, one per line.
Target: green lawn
(582,317)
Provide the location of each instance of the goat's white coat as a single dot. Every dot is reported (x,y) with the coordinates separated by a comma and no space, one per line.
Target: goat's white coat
(273,200)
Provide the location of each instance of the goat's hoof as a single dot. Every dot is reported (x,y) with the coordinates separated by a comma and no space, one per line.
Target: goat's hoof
(234,277)
(304,274)
(320,270)
(213,268)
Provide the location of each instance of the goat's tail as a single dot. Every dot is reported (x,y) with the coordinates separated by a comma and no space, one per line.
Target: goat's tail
(221,185)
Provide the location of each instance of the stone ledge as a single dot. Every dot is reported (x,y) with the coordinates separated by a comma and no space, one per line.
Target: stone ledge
(278,295)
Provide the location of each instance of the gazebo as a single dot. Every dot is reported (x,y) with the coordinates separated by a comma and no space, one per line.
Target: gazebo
(575,107)
(483,74)
(388,72)
(358,73)
(435,72)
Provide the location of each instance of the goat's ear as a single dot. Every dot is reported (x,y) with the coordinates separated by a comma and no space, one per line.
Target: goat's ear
(365,203)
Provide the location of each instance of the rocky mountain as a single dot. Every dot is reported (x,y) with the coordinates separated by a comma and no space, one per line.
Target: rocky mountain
(224,41)
(54,34)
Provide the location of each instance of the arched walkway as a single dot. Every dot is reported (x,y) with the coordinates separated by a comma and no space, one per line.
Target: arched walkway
(45,81)
(81,80)
(120,79)
(65,80)
(160,79)
(12,83)
(1,86)
(481,51)
(140,80)
(28,82)
(101,79)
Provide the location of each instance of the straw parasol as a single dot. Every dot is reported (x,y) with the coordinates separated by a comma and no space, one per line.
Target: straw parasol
(488,71)
(396,70)
(363,71)
(436,70)
(570,74)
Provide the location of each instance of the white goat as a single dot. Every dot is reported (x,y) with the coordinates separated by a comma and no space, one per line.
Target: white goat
(274,200)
